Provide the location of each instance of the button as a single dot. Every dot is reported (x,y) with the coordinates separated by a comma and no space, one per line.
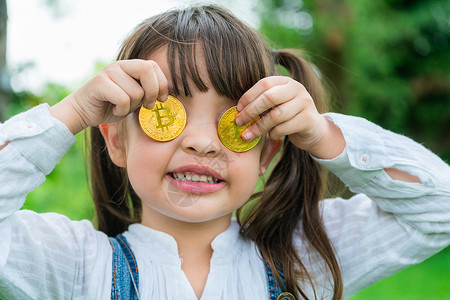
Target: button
(365,159)
(286,296)
(30,126)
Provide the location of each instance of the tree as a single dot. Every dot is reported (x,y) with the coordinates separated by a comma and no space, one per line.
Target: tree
(5,95)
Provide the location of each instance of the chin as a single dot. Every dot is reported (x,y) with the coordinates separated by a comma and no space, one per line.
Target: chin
(194,214)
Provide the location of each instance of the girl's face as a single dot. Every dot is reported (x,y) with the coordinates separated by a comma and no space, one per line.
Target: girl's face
(155,168)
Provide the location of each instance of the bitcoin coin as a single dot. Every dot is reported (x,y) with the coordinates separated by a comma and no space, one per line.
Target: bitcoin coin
(230,133)
(165,121)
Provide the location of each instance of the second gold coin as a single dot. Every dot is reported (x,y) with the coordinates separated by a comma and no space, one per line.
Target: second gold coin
(230,133)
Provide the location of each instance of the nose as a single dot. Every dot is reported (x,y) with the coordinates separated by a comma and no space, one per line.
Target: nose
(200,138)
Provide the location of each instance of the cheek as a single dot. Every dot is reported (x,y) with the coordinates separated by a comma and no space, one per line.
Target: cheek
(246,173)
(146,165)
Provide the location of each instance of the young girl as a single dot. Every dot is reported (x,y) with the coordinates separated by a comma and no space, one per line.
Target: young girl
(173,200)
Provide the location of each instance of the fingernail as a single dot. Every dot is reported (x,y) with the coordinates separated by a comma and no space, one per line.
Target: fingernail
(163,97)
(149,105)
(247,135)
(239,106)
(239,121)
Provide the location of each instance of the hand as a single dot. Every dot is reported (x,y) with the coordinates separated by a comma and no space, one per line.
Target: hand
(117,90)
(288,109)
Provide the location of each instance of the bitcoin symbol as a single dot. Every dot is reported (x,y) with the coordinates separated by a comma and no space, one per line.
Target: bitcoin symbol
(165,121)
(166,116)
(237,134)
(230,133)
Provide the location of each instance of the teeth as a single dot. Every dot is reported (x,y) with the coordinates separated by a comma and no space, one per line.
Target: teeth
(194,177)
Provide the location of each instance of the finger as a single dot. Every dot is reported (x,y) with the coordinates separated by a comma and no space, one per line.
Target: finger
(270,98)
(279,114)
(144,71)
(115,95)
(129,85)
(162,83)
(286,128)
(260,87)
(304,124)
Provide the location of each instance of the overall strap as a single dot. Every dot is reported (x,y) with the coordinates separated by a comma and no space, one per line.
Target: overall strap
(125,274)
(275,292)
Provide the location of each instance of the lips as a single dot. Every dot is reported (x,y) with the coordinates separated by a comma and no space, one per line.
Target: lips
(196,179)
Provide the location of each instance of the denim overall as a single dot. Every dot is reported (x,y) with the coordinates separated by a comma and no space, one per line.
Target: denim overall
(125,275)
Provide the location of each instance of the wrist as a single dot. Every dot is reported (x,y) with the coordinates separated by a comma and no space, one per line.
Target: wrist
(332,143)
(65,112)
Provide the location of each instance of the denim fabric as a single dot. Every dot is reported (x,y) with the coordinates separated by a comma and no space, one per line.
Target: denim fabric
(125,274)
(273,287)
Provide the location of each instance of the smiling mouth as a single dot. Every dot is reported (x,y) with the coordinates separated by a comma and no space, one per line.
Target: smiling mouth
(194,177)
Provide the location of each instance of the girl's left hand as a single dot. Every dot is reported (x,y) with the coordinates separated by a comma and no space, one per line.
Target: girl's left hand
(286,108)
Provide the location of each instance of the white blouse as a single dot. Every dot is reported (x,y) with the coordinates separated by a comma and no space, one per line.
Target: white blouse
(386,227)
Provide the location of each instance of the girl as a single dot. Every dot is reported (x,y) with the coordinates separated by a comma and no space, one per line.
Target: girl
(286,244)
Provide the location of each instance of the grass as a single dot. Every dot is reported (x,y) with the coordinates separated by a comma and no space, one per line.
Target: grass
(429,280)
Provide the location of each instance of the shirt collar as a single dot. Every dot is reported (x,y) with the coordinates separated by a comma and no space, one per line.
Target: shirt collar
(162,247)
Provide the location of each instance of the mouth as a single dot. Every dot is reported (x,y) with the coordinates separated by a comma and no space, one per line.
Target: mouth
(196,179)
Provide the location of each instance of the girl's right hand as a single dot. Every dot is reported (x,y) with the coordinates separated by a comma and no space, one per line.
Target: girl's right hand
(117,90)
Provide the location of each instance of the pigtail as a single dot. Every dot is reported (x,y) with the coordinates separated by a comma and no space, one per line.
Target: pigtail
(116,204)
(291,197)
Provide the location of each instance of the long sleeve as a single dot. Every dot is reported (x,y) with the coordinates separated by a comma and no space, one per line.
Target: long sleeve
(389,224)
(42,256)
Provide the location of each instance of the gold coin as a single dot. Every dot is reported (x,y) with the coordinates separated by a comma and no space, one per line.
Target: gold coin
(165,121)
(230,133)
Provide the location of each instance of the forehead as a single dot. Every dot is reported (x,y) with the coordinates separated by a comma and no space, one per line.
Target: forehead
(179,80)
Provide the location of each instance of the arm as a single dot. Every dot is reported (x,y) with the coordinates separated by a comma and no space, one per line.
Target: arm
(35,144)
(401,214)
(47,256)
(4,145)
(334,145)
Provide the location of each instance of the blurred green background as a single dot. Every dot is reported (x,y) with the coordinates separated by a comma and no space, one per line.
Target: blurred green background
(385,60)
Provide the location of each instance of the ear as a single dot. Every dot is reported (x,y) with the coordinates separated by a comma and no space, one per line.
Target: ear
(110,134)
(271,148)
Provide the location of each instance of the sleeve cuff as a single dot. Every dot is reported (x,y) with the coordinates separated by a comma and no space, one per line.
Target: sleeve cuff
(38,136)
(370,149)
(364,151)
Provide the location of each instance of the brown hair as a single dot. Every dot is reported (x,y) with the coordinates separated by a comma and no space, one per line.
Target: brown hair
(236,57)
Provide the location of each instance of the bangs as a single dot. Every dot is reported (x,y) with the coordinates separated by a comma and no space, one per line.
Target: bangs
(235,56)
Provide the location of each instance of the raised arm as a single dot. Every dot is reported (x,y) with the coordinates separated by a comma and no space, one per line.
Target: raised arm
(401,213)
